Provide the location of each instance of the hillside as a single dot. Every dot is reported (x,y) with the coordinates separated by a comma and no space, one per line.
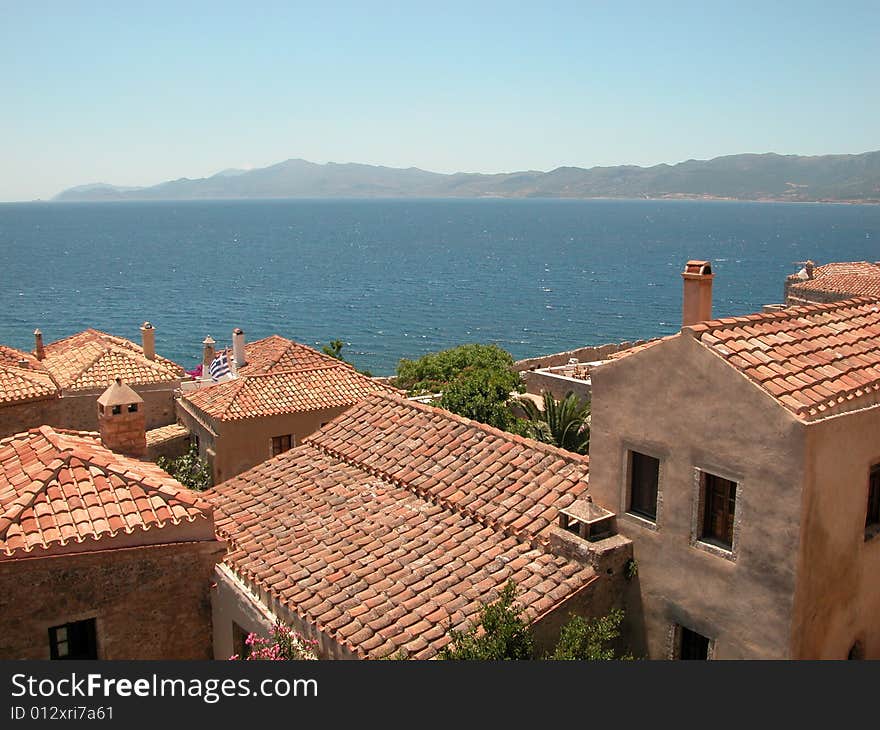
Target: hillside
(844,178)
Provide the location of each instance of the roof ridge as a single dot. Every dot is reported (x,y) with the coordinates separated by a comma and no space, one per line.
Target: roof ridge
(305,369)
(485,427)
(788,314)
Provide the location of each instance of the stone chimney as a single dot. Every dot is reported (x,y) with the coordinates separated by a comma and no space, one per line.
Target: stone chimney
(238,348)
(39,352)
(122,421)
(148,340)
(208,352)
(808,268)
(697,305)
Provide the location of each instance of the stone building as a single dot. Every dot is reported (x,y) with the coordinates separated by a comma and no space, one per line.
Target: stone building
(832,282)
(102,556)
(397,520)
(58,384)
(742,456)
(282,392)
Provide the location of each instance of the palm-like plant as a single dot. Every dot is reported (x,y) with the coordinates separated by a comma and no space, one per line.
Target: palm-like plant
(565,423)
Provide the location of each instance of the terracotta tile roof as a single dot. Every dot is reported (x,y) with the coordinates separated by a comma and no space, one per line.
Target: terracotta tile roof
(850,279)
(284,377)
(162,434)
(23,378)
(62,487)
(816,361)
(510,483)
(371,563)
(647,345)
(93,359)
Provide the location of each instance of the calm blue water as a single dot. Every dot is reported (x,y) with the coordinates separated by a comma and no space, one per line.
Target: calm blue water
(400,278)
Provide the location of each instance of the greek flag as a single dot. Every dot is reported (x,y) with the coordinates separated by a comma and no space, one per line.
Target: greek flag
(219,367)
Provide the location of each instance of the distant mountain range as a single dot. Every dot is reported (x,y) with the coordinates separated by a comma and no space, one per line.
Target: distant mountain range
(842,178)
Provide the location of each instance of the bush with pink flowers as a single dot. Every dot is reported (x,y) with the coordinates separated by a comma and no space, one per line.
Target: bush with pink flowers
(283,644)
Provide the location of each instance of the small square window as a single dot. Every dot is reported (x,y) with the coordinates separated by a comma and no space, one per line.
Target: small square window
(644,476)
(132,407)
(116,410)
(280,444)
(693,645)
(719,505)
(76,640)
(872,516)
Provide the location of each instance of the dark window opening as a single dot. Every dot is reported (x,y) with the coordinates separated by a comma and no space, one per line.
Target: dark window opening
(872,517)
(132,407)
(239,642)
(280,444)
(693,645)
(117,410)
(856,652)
(719,504)
(76,640)
(644,477)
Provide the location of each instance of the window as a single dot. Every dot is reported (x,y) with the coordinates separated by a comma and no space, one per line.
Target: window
(643,478)
(240,646)
(280,444)
(74,641)
(719,503)
(132,407)
(872,517)
(116,410)
(693,645)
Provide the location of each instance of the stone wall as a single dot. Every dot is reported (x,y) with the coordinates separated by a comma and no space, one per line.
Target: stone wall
(79,411)
(149,602)
(537,382)
(582,354)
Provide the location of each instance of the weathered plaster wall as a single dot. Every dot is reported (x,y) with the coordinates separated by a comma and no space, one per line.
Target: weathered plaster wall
(838,589)
(704,416)
(149,602)
(240,445)
(538,382)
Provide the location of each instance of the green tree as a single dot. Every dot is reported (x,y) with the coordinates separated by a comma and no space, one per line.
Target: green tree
(565,423)
(334,349)
(437,370)
(481,395)
(589,639)
(504,635)
(188,469)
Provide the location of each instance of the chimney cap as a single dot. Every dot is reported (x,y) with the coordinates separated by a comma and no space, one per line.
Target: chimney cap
(698,268)
(37,331)
(119,394)
(208,341)
(238,331)
(147,326)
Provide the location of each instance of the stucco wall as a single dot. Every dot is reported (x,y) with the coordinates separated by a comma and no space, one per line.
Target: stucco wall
(838,591)
(581,354)
(242,444)
(537,382)
(709,416)
(149,602)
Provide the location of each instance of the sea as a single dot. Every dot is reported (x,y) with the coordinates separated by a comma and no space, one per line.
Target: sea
(399,278)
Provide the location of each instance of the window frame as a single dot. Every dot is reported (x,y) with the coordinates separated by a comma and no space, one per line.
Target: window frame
(872,506)
(89,639)
(291,443)
(698,538)
(631,470)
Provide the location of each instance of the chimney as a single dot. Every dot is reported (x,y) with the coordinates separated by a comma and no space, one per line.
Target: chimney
(39,352)
(122,421)
(148,339)
(808,268)
(208,352)
(697,305)
(238,348)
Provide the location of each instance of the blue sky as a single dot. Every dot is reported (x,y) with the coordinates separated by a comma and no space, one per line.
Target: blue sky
(134,94)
